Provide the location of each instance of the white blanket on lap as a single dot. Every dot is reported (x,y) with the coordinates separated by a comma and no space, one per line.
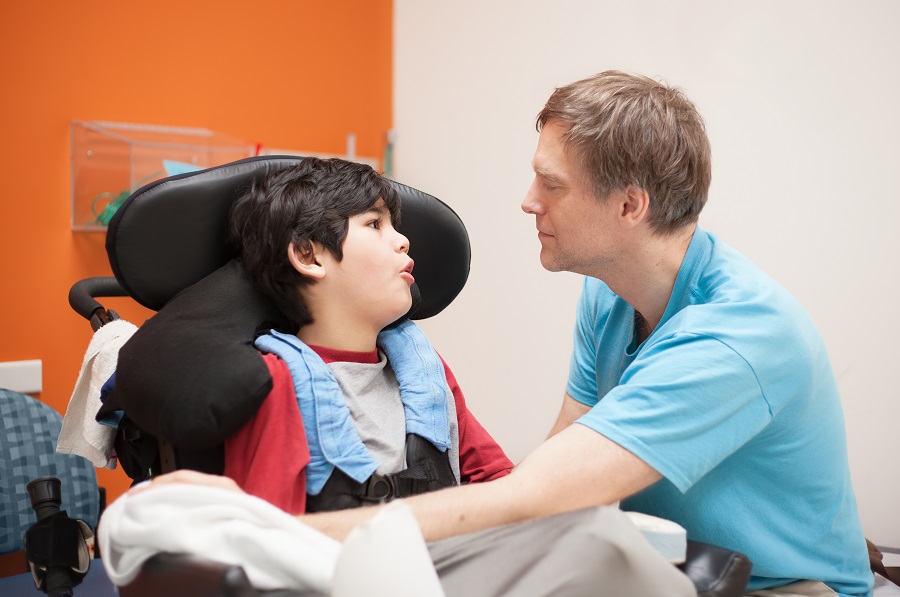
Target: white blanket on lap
(275,549)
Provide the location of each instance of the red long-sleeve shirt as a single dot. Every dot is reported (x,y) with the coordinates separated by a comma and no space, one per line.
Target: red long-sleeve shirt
(267,457)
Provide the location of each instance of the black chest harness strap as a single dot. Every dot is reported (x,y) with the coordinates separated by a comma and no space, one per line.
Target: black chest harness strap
(428,469)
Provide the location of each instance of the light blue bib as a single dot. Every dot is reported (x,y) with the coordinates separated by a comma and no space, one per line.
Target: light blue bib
(330,432)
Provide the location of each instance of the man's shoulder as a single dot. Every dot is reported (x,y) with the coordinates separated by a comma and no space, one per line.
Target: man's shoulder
(734,301)
(731,283)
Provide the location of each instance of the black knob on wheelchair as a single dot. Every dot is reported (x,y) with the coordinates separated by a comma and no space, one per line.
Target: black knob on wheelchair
(55,546)
(46,496)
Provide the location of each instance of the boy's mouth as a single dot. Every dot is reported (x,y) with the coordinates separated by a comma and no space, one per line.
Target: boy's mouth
(406,274)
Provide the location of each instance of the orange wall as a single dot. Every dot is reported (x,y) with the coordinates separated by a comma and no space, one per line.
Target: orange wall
(289,74)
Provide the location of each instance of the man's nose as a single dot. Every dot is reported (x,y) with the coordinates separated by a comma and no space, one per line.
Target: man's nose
(531,204)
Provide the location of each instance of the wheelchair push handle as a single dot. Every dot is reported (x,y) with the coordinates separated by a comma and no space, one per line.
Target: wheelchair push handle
(82,299)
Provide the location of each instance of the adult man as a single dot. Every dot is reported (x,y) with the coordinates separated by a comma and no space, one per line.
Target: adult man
(706,370)
(701,391)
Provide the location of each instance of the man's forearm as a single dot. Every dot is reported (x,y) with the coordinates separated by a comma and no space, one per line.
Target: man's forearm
(575,469)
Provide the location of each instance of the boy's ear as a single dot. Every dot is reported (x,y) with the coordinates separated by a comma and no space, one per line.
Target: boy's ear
(306,260)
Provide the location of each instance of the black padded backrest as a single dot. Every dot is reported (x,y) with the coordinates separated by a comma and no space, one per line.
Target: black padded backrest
(173,232)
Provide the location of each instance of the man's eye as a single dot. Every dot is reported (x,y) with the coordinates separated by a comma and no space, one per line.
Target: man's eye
(548,184)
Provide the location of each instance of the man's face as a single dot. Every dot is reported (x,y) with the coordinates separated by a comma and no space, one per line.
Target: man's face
(577,231)
(372,279)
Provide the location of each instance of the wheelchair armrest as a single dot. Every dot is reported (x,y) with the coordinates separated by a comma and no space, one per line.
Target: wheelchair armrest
(716,571)
(183,575)
(177,575)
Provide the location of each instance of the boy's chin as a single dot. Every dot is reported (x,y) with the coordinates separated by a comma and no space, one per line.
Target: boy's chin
(401,316)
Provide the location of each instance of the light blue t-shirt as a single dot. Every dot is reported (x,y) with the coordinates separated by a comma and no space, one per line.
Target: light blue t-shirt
(733,401)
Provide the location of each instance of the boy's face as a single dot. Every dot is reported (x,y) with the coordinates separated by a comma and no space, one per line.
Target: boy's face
(372,279)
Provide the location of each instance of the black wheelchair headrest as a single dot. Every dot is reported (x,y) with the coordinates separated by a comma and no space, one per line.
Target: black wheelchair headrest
(173,232)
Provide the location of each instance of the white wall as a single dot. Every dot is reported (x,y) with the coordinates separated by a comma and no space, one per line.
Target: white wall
(800,99)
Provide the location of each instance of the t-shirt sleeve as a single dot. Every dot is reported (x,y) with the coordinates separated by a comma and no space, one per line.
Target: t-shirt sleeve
(268,455)
(480,457)
(582,383)
(684,405)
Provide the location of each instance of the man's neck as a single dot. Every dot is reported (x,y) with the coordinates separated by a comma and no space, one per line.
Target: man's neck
(646,279)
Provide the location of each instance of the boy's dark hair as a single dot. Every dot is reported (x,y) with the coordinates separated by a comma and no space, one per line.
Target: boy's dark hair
(309,202)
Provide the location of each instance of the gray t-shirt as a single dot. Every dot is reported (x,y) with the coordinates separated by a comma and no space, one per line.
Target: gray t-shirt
(372,394)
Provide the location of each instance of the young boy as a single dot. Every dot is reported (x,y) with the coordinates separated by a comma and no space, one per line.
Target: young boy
(358,413)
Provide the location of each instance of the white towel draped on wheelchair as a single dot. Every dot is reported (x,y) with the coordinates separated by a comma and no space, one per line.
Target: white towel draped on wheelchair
(278,551)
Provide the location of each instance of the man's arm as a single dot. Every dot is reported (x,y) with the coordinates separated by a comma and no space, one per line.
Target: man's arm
(575,468)
(571,410)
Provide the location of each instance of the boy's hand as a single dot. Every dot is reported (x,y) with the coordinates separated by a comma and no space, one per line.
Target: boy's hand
(190,477)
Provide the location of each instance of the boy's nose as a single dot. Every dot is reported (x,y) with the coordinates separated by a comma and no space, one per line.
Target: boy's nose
(403,243)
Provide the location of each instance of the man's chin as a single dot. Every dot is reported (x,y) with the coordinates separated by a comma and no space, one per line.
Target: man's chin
(549,264)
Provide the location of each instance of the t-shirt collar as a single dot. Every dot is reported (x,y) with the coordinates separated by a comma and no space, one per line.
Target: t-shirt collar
(691,266)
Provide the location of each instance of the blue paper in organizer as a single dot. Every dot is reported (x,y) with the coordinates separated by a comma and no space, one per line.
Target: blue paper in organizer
(174,168)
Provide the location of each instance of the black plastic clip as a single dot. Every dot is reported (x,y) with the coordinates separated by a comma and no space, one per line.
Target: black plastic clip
(379,488)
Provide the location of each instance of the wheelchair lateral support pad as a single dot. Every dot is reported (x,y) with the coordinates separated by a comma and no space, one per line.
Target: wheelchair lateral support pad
(191,375)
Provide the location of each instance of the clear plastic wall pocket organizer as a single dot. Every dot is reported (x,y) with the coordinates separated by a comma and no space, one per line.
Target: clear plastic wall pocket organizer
(110,160)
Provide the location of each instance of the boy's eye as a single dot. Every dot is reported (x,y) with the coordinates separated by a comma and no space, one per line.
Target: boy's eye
(376,224)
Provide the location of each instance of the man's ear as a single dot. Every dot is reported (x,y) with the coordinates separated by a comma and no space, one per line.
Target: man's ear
(634,206)
(306,260)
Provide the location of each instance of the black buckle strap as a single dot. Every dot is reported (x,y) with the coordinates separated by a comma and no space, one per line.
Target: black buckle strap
(429,469)
(411,481)
(416,479)
(379,488)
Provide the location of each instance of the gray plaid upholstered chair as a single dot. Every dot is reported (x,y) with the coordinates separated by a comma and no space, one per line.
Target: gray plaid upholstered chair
(28,433)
